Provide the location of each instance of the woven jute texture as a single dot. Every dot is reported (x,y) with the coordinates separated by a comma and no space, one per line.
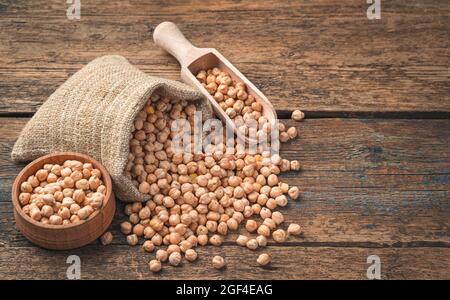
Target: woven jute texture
(93,113)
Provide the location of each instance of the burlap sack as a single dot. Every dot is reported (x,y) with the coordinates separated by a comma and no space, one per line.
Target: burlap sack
(93,113)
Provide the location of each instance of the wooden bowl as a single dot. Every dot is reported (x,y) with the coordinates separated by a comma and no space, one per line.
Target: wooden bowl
(63,237)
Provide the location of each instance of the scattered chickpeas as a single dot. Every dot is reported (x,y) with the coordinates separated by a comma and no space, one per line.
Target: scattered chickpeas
(58,193)
(196,198)
(263,259)
(218,262)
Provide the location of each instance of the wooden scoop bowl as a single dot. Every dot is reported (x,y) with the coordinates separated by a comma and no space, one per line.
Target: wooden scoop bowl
(193,59)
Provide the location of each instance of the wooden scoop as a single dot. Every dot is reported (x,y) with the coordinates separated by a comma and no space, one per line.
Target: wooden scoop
(193,59)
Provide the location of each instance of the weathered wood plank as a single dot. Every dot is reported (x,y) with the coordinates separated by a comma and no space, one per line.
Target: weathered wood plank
(368,183)
(324,56)
(124,262)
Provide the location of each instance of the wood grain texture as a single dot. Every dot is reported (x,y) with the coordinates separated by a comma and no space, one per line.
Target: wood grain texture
(372,186)
(125,262)
(324,57)
(369,183)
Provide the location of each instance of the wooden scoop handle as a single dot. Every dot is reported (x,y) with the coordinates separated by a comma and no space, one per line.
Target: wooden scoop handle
(169,37)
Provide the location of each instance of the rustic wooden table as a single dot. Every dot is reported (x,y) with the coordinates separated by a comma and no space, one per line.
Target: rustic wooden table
(375,148)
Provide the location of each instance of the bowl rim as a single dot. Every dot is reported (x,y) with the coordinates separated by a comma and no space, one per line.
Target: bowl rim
(39,161)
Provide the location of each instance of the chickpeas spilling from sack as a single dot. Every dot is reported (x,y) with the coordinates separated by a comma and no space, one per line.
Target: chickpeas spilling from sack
(63,194)
(197,198)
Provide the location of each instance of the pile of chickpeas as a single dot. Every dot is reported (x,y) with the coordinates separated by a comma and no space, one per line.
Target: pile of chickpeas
(62,194)
(196,199)
(241,107)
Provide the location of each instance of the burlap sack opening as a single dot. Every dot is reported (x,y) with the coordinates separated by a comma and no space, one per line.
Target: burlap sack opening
(93,113)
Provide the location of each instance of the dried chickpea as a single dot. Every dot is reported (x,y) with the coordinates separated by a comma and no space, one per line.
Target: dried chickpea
(279,235)
(218,262)
(106,238)
(24,198)
(292,132)
(41,175)
(262,240)
(132,239)
(215,240)
(138,229)
(294,192)
(173,248)
(263,259)
(154,265)
(144,187)
(26,187)
(222,228)
(294,229)
(242,240)
(126,227)
(55,220)
(281,200)
(277,217)
(74,219)
(265,213)
(297,115)
(175,258)
(252,244)
(64,213)
(202,239)
(47,211)
(272,180)
(271,204)
(264,230)
(162,255)
(251,225)
(295,165)
(190,255)
(148,246)
(185,246)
